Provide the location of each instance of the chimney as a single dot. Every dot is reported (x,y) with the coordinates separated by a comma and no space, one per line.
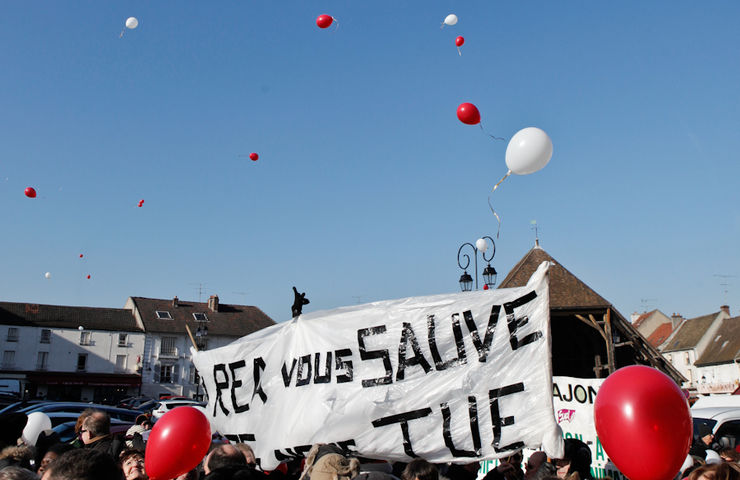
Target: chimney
(676,320)
(726,309)
(213,303)
(175,301)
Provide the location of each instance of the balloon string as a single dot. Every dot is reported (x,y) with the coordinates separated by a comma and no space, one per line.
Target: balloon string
(501,181)
(498,219)
(459,52)
(121,35)
(484,131)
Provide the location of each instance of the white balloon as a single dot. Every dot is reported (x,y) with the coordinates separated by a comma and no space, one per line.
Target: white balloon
(481,245)
(451,19)
(37,423)
(47,275)
(529,150)
(131,23)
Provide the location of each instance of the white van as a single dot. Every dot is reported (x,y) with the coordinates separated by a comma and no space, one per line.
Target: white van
(722,415)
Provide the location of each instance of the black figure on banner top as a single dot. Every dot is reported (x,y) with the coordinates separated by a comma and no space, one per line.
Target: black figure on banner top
(298,303)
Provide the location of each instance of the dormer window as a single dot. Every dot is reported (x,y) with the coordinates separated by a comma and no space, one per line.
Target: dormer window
(200,317)
(164,315)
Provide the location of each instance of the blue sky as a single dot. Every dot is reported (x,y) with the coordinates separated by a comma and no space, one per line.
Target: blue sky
(367,183)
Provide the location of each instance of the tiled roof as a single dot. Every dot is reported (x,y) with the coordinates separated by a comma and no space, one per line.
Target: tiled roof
(660,334)
(690,332)
(642,318)
(59,316)
(229,320)
(725,345)
(566,290)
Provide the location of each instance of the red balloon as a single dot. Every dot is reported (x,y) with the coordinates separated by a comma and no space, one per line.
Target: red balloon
(178,442)
(30,192)
(485,287)
(459,41)
(324,21)
(88,277)
(141,202)
(254,157)
(468,113)
(644,423)
(81,255)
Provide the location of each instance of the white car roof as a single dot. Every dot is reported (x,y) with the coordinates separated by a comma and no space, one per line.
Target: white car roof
(718,414)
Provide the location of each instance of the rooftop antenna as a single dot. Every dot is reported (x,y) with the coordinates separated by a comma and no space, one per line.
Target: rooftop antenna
(243,294)
(200,287)
(645,302)
(725,284)
(533,226)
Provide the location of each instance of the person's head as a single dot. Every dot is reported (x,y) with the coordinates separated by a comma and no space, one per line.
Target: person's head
(334,466)
(97,424)
(83,464)
(729,455)
(20,455)
(533,464)
(420,469)
(222,456)
(85,413)
(17,473)
(577,458)
(717,471)
(51,454)
(514,459)
(132,464)
(247,452)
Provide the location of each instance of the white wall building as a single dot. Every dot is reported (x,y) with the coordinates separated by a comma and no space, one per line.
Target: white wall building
(718,370)
(71,353)
(167,368)
(690,341)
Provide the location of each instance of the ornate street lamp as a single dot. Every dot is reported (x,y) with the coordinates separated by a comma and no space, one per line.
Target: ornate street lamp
(489,273)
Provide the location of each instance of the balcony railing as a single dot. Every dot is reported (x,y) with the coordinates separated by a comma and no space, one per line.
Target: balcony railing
(168,353)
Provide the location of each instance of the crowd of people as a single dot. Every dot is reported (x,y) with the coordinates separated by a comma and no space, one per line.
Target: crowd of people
(96,454)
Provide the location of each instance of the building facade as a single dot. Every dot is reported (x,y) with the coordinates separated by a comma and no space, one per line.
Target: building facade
(717,368)
(167,367)
(71,353)
(690,341)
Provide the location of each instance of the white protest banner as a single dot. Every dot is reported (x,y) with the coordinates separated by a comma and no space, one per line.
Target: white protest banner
(573,400)
(449,378)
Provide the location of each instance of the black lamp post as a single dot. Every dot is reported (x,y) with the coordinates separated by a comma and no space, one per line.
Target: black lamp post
(489,273)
